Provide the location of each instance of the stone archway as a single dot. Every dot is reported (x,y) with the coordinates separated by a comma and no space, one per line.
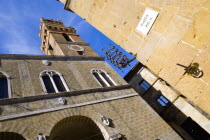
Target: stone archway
(11,136)
(76,128)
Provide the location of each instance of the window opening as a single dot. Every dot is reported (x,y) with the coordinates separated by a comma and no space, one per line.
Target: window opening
(53,81)
(145,85)
(59,83)
(3,88)
(48,84)
(80,52)
(66,37)
(96,75)
(103,78)
(162,101)
(50,47)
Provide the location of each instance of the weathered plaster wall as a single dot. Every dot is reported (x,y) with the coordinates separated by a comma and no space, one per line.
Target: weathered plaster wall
(180,34)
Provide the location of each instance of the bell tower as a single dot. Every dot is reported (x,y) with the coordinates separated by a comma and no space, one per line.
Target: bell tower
(60,40)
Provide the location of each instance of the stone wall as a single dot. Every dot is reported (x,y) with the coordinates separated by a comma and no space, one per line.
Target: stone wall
(180,34)
(25,72)
(62,49)
(30,111)
(132,117)
(178,108)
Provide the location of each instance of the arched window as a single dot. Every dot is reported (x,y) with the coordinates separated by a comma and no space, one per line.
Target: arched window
(53,81)
(5,86)
(103,78)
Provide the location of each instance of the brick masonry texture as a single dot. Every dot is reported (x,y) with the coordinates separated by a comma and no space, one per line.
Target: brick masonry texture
(131,116)
(136,121)
(25,79)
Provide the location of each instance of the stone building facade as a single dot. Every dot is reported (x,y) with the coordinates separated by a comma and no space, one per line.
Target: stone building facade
(77,96)
(179,35)
(178,111)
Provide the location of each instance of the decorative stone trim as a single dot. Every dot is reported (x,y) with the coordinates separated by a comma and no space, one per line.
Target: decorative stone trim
(105,120)
(115,137)
(76,48)
(48,57)
(72,43)
(16,100)
(64,107)
(46,62)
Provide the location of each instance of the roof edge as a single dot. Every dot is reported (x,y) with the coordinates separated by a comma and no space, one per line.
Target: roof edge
(50,57)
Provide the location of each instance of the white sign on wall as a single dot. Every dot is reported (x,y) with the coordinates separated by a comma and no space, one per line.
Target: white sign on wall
(147,21)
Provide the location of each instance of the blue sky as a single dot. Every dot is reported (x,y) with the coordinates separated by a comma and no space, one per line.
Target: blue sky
(19,27)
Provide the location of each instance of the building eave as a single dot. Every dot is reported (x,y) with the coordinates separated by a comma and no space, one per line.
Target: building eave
(66,6)
(48,57)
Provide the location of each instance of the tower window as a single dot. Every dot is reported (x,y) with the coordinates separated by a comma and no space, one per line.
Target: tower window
(50,47)
(103,78)
(162,101)
(53,81)
(80,52)
(5,88)
(145,85)
(66,37)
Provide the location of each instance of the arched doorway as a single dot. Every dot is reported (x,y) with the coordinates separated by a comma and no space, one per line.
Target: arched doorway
(76,128)
(11,136)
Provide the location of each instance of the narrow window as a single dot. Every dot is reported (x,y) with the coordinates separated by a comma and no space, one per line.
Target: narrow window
(97,77)
(3,87)
(66,37)
(145,85)
(59,83)
(48,84)
(162,101)
(103,78)
(107,79)
(53,82)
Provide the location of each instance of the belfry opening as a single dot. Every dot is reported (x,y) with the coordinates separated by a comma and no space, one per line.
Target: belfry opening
(76,128)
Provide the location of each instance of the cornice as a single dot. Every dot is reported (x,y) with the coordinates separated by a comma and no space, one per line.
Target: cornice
(66,6)
(49,57)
